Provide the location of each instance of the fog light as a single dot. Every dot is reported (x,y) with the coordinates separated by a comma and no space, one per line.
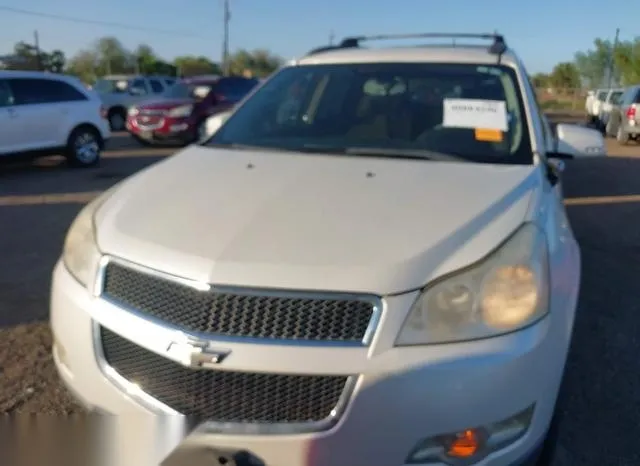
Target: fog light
(471,445)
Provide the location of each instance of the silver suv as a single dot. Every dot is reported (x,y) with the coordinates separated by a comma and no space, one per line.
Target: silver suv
(368,263)
(119,92)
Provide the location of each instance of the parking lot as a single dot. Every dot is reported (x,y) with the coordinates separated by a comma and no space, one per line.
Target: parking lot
(38,202)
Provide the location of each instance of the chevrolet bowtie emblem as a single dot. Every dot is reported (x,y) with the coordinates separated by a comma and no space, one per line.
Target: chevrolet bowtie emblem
(198,354)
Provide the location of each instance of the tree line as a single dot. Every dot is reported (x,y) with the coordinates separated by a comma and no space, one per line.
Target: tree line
(591,68)
(596,67)
(109,56)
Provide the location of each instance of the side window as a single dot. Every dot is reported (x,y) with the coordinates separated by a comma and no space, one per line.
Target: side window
(170,82)
(138,87)
(30,91)
(636,95)
(156,86)
(6,96)
(234,89)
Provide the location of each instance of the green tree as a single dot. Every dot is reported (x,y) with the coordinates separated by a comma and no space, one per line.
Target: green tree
(26,57)
(540,80)
(627,61)
(189,65)
(593,64)
(145,59)
(113,57)
(565,76)
(259,63)
(84,65)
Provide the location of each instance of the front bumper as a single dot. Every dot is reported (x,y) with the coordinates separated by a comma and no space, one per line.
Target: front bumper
(402,395)
(168,129)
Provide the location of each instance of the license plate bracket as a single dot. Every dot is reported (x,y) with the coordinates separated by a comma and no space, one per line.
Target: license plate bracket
(206,456)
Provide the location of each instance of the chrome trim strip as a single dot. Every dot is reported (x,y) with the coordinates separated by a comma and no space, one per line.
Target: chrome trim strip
(149,126)
(375,301)
(211,427)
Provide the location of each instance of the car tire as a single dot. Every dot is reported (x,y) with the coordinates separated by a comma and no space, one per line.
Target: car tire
(622,137)
(84,147)
(117,119)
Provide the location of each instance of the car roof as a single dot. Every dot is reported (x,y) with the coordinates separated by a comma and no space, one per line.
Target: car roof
(37,74)
(473,54)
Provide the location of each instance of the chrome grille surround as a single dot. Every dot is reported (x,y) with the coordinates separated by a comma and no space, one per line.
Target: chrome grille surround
(367,328)
(146,400)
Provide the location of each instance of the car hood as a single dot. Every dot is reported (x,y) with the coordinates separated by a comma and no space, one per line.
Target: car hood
(163,103)
(315,222)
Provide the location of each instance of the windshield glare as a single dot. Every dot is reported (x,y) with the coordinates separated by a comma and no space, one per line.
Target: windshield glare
(470,111)
(183,90)
(111,85)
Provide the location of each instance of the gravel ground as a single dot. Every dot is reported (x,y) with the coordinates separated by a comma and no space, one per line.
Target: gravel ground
(37,203)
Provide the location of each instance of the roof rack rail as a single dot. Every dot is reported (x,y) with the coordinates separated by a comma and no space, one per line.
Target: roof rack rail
(498,47)
(327,48)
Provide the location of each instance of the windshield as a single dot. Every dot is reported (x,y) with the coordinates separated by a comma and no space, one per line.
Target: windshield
(111,85)
(183,90)
(468,111)
(614,98)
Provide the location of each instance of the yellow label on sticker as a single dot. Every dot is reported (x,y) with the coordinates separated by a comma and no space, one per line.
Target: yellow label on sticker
(489,135)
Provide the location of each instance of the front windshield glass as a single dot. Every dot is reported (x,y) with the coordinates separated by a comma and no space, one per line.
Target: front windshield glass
(111,85)
(182,90)
(473,112)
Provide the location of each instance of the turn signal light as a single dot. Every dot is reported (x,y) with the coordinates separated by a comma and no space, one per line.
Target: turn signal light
(464,445)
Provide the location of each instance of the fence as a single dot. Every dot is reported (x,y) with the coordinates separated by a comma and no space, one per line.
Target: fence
(565,100)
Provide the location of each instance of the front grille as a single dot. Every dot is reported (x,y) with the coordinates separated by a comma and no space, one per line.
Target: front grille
(238,314)
(149,122)
(152,111)
(224,396)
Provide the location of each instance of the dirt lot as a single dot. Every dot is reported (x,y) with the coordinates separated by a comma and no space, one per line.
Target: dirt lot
(37,203)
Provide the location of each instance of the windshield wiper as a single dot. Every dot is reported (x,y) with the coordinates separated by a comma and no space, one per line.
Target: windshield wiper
(411,154)
(233,145)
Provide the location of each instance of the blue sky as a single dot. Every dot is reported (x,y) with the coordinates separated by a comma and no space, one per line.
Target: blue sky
(543,32)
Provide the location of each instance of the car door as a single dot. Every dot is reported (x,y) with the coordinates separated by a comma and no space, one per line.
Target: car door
(139,90)
(37,114)
(9,125)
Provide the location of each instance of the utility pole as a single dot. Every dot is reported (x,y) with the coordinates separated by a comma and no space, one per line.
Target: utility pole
(36,42)
(225,41)
(611,64)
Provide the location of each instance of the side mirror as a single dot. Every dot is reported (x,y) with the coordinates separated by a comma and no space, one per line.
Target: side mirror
(573,141)
(214,122)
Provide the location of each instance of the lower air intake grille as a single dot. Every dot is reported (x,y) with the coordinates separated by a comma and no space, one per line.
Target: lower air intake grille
(224,396)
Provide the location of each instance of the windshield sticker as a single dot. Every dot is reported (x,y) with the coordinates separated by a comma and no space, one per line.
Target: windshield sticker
(472,114)
(489,135)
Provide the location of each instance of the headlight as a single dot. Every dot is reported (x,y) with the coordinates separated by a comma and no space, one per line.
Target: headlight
(506,291)
(133,111)
(181,112)
(80,254)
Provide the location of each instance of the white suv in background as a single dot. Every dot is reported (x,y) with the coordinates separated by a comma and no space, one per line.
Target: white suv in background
(50,114)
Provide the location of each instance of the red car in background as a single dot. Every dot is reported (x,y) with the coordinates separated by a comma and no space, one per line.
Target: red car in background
(179,115)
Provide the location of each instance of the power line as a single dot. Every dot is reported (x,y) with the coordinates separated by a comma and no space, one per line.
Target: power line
(72,19)
(225,40)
